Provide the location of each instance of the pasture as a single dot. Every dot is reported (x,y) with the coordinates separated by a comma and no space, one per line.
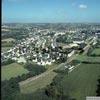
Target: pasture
(40,82)
(12,70)
(96,51)
(87,58)
(82,81)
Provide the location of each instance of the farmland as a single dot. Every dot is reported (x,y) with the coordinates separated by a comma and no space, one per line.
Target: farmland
(12,70)
(7,44)
(88,58)
(96,51)
(40,82)
(82,81)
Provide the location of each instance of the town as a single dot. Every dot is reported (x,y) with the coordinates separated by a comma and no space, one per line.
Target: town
(45,46)
(50,50)
(42,59)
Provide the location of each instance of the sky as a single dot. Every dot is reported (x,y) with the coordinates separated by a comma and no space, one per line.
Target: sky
(50,11)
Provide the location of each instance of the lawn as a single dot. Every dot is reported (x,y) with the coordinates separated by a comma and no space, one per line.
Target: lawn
(82,81)
(12,70)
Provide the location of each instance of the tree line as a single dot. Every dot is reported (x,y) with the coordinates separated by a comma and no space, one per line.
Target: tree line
(10,88)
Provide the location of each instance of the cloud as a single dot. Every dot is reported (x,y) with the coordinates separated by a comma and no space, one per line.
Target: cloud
(82,6)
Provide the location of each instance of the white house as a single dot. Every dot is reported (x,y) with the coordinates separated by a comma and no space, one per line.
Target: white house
(70,54)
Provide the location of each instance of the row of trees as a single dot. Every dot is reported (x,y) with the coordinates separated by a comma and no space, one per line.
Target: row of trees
(63,39)
(93,47)
(7,62)
(98,88)
(35,69)
(55,90)
(9,89)
(17,34)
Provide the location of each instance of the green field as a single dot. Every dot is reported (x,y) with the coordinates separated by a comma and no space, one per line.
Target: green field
(82,81)
(40,82)
(87,58)
(12,70)
(96,51)
(7,43)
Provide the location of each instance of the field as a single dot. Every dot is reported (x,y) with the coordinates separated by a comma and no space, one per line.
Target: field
(7,44)
(12,70)
(40,82)
(82,81)
(87,58)
(96,51)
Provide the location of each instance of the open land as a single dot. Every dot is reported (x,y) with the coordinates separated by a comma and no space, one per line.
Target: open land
(82,81)
(12,70)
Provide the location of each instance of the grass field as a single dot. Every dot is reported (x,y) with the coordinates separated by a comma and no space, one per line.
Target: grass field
(7,43)
(38,84)
(87,58)
(82,81)
(12,70)
(96,51)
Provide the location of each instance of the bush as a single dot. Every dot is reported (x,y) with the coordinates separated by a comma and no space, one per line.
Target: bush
(9,61)
(34,68)
(98,88)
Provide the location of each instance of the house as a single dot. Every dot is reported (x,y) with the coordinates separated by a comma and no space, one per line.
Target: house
(78,42)
(97,34)
(34,60)
(21,60)
(73,45)
(72,53)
